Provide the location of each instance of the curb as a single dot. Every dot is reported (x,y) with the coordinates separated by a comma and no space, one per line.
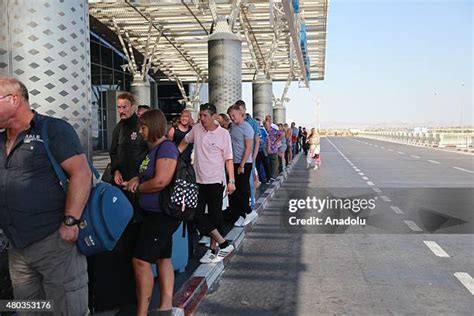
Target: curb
(194,290)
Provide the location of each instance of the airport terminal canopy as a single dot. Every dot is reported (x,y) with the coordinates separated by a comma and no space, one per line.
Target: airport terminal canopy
(283,39)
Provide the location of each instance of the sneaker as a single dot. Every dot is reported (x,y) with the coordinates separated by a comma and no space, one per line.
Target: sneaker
(249,218)
(222,253)
(239,222)
(204,240)
(315,167)
(208,257)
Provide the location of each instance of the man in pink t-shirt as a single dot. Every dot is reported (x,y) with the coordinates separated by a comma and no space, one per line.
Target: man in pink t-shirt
(212,157)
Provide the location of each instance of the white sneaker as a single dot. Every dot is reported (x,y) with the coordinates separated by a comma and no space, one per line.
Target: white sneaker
(205,241)
(315,167)
(222,253)
(239,222)
(249,218)
(208,257)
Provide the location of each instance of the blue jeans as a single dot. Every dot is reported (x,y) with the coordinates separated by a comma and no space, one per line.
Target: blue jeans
(252,187)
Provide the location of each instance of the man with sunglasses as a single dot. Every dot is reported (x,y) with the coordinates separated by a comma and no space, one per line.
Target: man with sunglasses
(39,219)
(212,153)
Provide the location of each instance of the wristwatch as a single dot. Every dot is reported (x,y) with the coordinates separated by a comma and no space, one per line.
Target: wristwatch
(69,220)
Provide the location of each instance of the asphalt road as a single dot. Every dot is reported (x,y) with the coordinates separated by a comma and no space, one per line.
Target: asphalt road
(412,255)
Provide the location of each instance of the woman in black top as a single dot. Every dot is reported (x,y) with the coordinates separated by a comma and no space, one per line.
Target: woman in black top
(176,134)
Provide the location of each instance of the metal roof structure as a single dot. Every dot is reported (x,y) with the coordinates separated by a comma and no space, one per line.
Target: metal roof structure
(173,35)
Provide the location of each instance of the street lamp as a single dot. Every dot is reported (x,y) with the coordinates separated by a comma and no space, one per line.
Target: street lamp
(462,108)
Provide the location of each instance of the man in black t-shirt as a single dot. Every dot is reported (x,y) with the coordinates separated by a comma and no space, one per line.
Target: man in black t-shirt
(39,219)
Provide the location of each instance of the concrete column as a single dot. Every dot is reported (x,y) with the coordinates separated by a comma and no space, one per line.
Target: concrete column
(262,97)
(225,67)
(46,46)
(141,90)
(193,106)
(279,113)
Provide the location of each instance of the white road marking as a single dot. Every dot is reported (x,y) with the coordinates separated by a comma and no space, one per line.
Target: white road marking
(390,150)
(435,162)
(370,183)
(465,170)
(397,210)
(361,173)
(401,152)
(357,169)
(466,280)
(436,249)
(412,225)
(377,190)
(365,178)
(385,198)
(413,156)
(382,147)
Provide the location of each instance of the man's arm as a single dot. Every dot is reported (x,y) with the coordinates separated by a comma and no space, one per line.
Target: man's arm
(248,148)
(114,149)
(229,166)
(80,180)
(188,139)
(268,142)
(114,158)
(182,146)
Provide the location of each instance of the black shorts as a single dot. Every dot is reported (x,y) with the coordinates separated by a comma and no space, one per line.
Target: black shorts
(155,237)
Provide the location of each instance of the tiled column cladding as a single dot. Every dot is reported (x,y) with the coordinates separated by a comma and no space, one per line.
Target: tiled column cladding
(262,97)
(279,113)
(225,67)
(141,90)
(45,44)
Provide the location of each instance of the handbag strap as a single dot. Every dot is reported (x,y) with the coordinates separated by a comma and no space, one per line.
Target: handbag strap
(57,168)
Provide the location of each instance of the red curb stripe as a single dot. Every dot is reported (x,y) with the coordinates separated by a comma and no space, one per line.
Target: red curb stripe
(190,294)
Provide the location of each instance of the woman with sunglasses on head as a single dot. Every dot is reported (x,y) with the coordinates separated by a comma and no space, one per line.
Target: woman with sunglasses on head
(155,239)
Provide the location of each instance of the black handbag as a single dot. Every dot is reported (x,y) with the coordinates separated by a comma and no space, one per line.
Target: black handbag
(107,175)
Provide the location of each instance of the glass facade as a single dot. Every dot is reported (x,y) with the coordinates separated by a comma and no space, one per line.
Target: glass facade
(106,74)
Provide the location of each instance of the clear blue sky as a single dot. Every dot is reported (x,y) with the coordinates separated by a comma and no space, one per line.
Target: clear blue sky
(391,62)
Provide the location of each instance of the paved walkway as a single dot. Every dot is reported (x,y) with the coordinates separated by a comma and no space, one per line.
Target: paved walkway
(381,268)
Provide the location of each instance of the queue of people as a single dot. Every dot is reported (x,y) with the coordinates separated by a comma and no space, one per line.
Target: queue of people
(231,154)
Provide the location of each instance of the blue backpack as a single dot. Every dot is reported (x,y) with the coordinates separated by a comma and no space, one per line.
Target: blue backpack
(106,214)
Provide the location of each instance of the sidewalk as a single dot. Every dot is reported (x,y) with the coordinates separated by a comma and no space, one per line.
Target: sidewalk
(196,287)
(191,285)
